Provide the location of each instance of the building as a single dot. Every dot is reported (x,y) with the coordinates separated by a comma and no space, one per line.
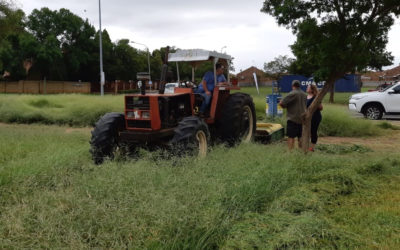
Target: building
(390,75)
(246,78)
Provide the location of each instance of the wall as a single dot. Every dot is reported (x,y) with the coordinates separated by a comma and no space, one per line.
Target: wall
(349,83)
(41,87)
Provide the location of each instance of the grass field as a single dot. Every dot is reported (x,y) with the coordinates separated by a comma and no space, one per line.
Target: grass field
(345,195)
(68,109)
(252,196)
(85,110)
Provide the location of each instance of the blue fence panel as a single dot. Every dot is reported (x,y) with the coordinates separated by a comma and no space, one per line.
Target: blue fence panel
(285,83)
(349,83)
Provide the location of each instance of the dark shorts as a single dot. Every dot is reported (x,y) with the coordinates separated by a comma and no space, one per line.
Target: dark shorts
(293,129)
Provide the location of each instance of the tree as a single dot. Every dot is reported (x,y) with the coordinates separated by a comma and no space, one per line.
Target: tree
(66,44)
(335,37)
(11,24)
(11,19)
(16,53)
(279,66)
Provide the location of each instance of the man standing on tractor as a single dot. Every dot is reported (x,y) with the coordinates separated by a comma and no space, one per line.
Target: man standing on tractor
(207,85)
(295,103)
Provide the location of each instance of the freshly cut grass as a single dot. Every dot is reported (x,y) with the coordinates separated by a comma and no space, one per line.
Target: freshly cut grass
(251,196)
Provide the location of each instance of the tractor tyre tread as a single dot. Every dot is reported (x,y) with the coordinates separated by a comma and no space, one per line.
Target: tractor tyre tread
(184,141)
(229,125)
(105,135)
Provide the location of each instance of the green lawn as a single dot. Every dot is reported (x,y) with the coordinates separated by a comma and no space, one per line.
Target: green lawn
(64,109)
(251,196)
(85,110)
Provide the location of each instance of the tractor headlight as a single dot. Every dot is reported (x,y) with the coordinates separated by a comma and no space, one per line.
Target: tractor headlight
(133,114)
(145,115)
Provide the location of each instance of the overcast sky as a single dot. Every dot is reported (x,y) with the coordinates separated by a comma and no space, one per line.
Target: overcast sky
(250,36)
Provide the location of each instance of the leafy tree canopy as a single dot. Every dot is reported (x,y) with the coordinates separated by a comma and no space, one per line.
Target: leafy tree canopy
(279,66)
(11,23)
(337,36)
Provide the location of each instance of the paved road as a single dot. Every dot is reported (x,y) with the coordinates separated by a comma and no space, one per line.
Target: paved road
(395,120)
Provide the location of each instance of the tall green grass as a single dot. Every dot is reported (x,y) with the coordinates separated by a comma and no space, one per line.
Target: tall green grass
(251,196)
(85,110)
(337,121)
(66,109)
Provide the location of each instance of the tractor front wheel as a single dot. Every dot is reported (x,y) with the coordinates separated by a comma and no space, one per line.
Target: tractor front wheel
(191,137)
(105,137)
(238,120)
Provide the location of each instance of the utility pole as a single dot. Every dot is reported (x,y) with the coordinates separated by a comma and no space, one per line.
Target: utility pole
(223,48)
(102,76)
(148,55)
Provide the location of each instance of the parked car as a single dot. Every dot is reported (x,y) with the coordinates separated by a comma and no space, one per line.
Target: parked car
(373,105)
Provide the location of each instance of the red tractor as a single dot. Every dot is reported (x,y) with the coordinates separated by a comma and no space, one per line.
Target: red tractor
(160,120)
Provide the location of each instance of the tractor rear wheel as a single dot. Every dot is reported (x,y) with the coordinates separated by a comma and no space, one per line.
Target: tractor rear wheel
(191,137)
(238,120)
(105,136)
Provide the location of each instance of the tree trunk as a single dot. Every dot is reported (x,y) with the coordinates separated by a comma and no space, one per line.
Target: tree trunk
(332,94)
(307,116)
(306,131)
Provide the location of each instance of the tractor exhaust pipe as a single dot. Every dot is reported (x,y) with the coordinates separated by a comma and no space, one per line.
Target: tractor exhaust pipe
(143,88)
(164,71)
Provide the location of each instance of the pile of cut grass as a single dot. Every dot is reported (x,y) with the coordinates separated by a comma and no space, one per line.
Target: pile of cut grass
(251,196)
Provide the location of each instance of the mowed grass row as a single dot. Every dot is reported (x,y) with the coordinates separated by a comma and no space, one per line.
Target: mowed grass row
(85,110)
(251,196)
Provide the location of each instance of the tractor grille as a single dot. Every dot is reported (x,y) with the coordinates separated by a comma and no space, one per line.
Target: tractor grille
(139,124)
(135,102)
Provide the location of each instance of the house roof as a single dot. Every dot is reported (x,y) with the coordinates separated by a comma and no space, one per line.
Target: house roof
(251,70)
(374,76)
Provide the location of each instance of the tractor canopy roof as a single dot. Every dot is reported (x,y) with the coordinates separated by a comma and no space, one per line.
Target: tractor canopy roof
(196,55)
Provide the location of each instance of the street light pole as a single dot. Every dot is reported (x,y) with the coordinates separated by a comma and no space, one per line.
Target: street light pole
(148,56)
(102,76)
(223,48)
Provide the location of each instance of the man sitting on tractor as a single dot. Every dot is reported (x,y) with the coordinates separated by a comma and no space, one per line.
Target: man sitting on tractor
(207,85)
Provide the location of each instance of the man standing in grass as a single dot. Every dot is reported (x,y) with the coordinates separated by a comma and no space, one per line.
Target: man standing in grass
(295,103)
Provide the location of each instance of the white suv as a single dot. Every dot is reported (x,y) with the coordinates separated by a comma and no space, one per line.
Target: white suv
(374,104)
